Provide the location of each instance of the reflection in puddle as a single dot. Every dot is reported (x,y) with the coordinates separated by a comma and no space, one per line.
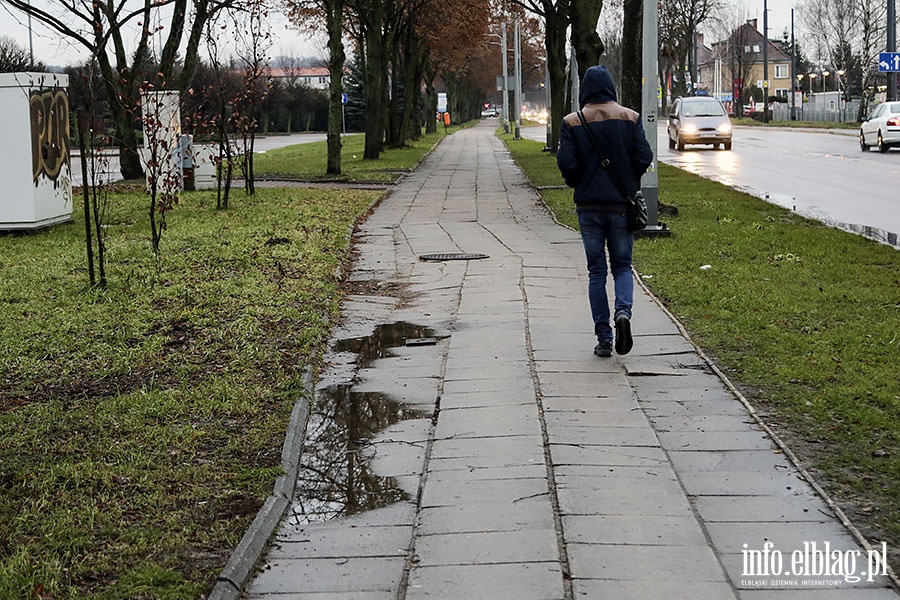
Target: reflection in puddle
(334,478)
(880,235)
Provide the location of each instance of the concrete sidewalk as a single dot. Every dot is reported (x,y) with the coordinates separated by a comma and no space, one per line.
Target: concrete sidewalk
(503,459)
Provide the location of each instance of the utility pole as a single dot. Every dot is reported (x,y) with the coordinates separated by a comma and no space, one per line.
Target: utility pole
(505,82)
(518,74)
(793,70)
(649,115)
(765,62)
(892,46)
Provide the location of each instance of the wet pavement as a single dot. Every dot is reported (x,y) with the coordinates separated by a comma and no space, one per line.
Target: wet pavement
(465,443)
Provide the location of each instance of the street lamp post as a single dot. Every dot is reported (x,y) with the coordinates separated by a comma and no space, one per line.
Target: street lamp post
(505,85)
(825,74)
(800,86)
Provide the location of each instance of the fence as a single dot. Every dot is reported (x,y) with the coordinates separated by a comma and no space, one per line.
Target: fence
(849,113)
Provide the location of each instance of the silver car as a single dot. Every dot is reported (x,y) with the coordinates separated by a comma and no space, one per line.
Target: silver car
(699,120)
(882,129)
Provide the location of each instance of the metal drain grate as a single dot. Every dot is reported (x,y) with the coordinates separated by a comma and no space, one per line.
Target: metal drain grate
(452,256)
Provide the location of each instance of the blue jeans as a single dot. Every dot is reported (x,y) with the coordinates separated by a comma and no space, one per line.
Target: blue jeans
(599,231)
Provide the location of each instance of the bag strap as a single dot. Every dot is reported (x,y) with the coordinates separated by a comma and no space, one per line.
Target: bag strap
(604,161)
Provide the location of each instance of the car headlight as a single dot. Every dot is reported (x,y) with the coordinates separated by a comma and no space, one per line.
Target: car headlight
(690,128)
(724,127)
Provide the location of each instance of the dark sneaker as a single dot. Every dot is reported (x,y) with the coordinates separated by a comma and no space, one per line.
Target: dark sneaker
(624,342)
(603,348)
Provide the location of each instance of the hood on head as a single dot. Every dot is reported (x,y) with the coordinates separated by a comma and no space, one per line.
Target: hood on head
(597,86)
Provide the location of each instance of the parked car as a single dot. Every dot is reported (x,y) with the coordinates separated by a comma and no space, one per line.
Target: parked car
(488,113)
(698,120)
(882,129)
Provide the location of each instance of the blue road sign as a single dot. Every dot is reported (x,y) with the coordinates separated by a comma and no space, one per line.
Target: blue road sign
(889,62)
(344,98)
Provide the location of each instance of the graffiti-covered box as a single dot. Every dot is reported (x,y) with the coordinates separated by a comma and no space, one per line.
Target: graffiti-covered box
(36,189)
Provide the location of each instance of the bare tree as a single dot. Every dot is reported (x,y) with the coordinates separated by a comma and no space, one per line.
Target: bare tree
(14,58)
(106,28)
(304,13)
(254,39)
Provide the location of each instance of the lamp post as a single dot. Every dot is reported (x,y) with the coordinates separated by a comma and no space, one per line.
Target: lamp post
(825,74)
(800,86)
(838,75)
(505,86)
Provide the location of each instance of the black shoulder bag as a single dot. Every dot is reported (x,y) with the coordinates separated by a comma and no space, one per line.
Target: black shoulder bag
(635,206)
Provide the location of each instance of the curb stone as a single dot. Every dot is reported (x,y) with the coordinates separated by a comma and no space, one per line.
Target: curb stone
(239,569)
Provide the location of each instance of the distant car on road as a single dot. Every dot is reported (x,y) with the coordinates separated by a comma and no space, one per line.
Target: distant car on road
(698,120)
(488,112)
(882,129)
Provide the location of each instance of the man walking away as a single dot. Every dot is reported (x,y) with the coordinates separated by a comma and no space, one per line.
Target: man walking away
(600,205)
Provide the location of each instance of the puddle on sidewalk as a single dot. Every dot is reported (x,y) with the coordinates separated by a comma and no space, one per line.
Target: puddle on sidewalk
(335,479)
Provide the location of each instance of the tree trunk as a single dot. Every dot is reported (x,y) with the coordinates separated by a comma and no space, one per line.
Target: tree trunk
(375,80)
(555,40)
(583,16)
(336,58)
(430,99)
(632,60)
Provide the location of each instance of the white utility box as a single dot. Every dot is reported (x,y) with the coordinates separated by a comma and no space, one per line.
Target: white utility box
(161,118)
(35,172)
(205,156)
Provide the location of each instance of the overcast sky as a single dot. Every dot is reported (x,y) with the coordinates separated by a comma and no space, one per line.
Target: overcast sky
(53,51)
(49,48)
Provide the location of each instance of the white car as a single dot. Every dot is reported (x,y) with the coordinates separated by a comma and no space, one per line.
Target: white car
(882,129)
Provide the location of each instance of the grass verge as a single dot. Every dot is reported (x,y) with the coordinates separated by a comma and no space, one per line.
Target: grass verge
(805,319)
(308,161)
(141,425)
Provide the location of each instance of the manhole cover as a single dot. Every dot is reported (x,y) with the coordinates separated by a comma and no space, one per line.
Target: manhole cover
(452,256)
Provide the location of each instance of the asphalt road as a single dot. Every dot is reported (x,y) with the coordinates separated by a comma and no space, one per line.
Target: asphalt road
(820,174)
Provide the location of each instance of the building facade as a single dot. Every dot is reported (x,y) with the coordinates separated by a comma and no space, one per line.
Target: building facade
(728,69)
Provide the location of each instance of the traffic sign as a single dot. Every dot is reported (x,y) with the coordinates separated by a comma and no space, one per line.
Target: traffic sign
(889,62)
(344,98)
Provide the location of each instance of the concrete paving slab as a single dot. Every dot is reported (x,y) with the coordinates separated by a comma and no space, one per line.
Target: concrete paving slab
(460,490)
(315,541)
(511,385)
(488,547)
(643,563)
(486,398)
(730,538)
(706,441)
(633,530)
(488,421)
(797,508)
(640,479)
(627,501)
(608,456)
(609,402)
(743,483)
(509,370)
(328,575)
(593,385)
(532,513)
(688,460)
(594,418)
(704,423)
(608,436)
(523,581)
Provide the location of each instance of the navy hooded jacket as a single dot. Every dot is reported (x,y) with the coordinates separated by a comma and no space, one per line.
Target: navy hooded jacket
(618,131)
